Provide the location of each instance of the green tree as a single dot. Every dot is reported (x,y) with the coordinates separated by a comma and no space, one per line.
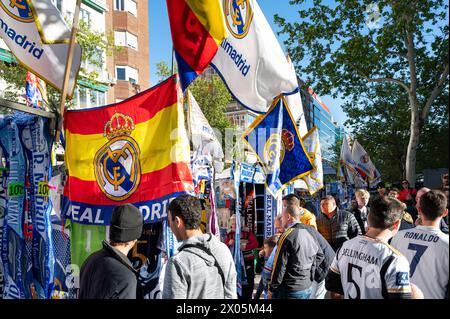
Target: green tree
(93,44)
(213,98)
(162,71)
(355,46)
(382,126)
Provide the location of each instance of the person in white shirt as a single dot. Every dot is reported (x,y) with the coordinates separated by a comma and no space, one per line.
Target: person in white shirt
(361,210)
(427,248)
(367,267)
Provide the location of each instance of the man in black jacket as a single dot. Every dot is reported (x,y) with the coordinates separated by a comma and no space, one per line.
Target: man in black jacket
(297,257)
(335,225)
(108,273)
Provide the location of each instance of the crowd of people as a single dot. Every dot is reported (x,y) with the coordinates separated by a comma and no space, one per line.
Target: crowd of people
(391,245)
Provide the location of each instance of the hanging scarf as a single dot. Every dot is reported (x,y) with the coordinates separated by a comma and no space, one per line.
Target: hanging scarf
(13,243)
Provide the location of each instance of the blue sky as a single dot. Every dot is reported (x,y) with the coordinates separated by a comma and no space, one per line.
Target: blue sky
(161,42)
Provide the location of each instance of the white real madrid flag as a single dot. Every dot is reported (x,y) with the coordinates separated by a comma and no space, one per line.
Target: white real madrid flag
(364,165)
(250,60)
(346,155)
(346,163)
(295,104)
(294,101)
(313,182)
(204,139)
(37,35)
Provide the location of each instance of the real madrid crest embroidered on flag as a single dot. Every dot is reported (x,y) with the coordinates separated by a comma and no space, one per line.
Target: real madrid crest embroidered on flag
(238,17)
(117,165)
(18,10)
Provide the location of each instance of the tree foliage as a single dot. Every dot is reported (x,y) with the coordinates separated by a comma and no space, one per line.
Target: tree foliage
(382,126)
(398,49)
(162,71)
(213,98)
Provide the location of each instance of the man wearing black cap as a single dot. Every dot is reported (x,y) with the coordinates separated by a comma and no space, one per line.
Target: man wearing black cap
(108,273)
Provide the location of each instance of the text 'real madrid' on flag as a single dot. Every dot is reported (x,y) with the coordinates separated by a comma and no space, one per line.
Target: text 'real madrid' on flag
(38,36)
(275,139)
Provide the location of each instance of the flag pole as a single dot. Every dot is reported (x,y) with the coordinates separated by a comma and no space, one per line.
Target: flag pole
(68,66)
(188,99)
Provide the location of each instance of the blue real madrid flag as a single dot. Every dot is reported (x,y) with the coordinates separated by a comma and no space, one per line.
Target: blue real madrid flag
(275,139)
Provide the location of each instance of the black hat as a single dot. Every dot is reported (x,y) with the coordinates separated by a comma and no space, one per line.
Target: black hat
(126,224)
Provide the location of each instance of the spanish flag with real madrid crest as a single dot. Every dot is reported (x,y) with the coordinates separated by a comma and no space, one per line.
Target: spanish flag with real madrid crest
(135,151)
(275,139)
(198,28)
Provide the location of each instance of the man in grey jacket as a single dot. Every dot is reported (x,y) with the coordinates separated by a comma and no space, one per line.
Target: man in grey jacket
(203,267)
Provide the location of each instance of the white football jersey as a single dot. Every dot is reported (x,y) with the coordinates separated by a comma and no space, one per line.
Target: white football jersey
(426,248)
(368,268)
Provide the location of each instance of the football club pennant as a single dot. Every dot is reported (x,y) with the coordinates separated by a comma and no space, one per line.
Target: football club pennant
(38,36)
(198,28)
(135,152)
(275,139)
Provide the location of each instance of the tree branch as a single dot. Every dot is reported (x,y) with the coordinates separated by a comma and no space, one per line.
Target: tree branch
(385,79)
(434,94)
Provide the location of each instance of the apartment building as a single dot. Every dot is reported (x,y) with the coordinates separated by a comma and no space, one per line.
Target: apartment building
(128,68)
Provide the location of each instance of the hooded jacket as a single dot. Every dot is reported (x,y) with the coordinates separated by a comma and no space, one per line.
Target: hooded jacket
(192,273)
(108,274)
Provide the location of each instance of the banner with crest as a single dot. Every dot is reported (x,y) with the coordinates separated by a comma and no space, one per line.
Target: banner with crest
(275,140)
(135,152)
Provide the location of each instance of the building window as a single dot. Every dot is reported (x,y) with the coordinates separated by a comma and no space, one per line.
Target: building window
(126,5)
(120,5)
(85,16)
(82,93)
(132,75)
(131,7)
(101,98)
(85,97)
(121,73)
(120,38)
(93,98)
(125,38)
(127,73)
(95,63)
(132,41)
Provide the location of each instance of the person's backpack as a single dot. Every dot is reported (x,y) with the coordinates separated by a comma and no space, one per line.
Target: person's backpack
(206,250)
